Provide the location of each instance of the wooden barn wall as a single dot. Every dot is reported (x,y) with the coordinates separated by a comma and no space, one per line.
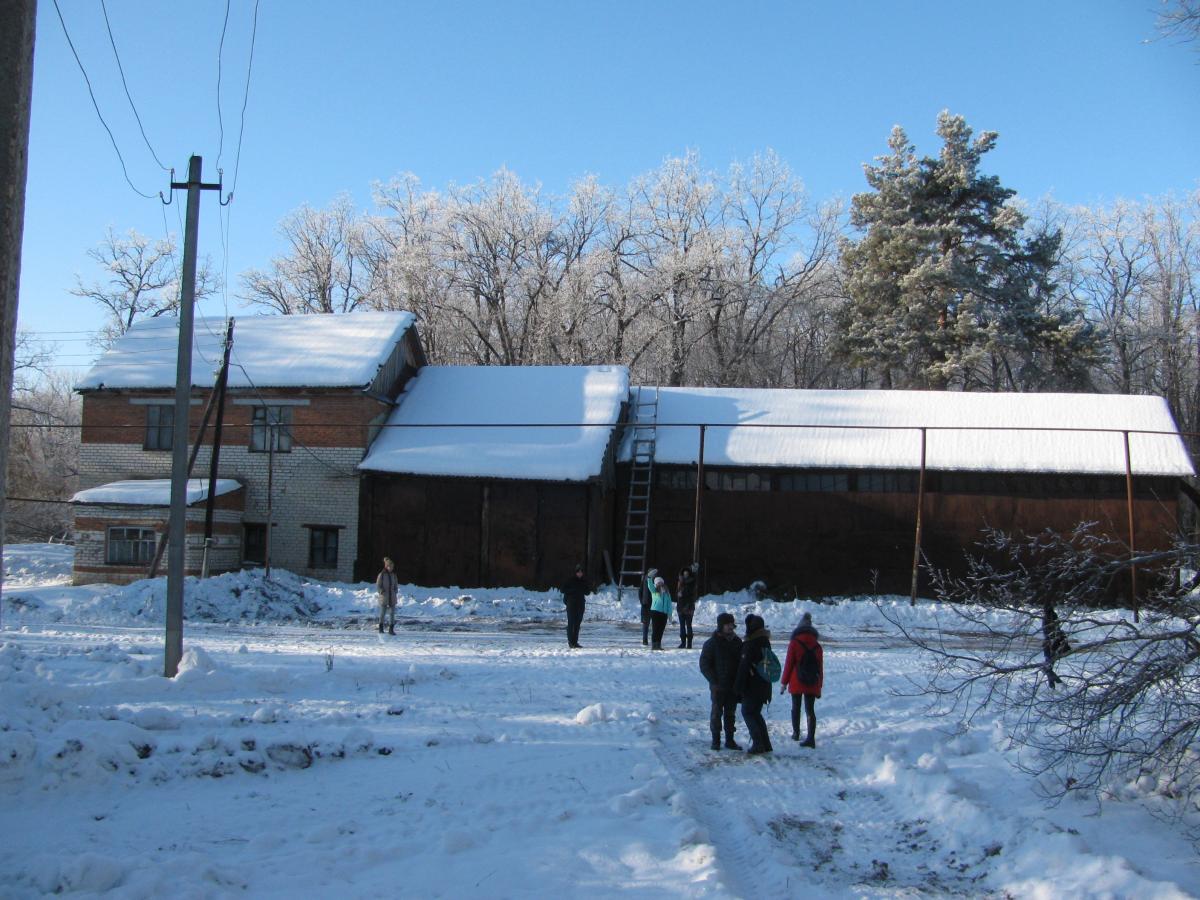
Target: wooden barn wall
(853,542)
(465,532)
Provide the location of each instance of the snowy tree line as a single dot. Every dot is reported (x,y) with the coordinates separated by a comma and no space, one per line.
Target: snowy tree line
(936,276)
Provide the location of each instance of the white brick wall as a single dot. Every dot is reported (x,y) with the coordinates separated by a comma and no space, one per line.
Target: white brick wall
(310,487)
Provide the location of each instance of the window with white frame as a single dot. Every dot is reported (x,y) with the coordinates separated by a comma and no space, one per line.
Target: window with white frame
(130,546)
(271,425)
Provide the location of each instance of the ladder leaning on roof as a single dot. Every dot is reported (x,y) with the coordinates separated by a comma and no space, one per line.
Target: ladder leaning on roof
(644,422)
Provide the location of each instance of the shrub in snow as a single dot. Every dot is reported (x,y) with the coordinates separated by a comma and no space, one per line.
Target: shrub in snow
(290,755)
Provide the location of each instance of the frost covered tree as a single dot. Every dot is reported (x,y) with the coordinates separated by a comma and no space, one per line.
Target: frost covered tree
(1095,698)
(945,287)
(142,281)
(323,270)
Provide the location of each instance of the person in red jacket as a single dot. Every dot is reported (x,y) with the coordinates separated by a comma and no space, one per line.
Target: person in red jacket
(803,676)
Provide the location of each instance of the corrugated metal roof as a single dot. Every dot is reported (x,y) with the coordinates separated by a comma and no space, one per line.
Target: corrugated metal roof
(850,429)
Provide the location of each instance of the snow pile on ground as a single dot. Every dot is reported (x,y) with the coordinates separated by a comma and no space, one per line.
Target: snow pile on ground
(474,755)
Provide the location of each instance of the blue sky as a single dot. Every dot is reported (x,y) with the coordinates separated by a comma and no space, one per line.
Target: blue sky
(1088,105)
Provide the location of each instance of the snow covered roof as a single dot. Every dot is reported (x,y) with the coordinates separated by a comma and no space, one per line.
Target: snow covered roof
(268,351)
(749,444)
(151,492)
(511,399)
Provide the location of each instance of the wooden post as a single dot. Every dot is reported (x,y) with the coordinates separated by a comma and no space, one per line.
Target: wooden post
(916,566)
(1133,585)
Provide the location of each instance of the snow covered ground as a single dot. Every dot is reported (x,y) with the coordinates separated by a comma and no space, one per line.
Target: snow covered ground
(301,753)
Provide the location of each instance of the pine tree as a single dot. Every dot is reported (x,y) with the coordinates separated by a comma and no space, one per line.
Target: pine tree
(944,288)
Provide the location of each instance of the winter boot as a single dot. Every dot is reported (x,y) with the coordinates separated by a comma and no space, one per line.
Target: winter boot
(391,629)
(381,628)
(682,645)
(731,744)
(689,642)
(716,743)
(811,740)
(656,646)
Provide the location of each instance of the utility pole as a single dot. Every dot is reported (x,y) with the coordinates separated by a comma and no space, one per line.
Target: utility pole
(177,523)
(213,464)
(18,19)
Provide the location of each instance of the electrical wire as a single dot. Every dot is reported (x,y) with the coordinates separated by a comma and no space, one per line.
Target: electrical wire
(96,105)
(237,160)
(220,118)
(125,84)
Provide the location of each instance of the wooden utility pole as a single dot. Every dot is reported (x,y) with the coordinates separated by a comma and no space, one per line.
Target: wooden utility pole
(213,463)
(17,22)
(177,523)
(916,565)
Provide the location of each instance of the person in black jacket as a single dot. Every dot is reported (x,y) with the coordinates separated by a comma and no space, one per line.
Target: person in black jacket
(574,592)
(644,600)
(719,664)
(754,690)
(685,603)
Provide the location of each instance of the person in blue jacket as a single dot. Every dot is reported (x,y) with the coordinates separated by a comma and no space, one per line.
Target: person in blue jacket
(660,611)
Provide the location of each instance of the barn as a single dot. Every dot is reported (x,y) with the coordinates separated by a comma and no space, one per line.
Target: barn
(494,476)
(818,492)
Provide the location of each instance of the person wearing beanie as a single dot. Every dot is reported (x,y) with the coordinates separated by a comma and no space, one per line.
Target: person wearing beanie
(660,611)
(574,593)
(719,664)
(755,692)
(803,677)
(644,590)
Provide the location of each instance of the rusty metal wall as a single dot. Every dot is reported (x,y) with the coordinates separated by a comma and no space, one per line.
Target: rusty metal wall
(828,542)
(477,533)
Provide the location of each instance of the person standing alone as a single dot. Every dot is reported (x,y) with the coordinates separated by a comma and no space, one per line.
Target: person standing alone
(386,585)
(719,665)
(685,603)
(804,676)
(574,594)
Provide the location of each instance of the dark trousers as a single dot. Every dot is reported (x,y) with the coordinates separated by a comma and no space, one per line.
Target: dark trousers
(645,624)
(574,619)
(723,713)
(658,622)
(685,629)
(755,723)
(809,702)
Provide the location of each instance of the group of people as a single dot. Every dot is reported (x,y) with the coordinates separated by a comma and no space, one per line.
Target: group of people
(656,602)
(739,671)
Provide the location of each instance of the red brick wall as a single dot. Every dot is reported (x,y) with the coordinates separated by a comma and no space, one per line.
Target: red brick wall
(331,419)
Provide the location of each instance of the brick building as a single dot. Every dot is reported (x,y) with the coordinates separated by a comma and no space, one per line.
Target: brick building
(306,395)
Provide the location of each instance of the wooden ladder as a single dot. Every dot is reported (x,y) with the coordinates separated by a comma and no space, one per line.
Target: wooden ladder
(644,422)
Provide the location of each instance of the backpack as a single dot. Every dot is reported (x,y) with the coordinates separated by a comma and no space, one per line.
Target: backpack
(768,668)
(807,670)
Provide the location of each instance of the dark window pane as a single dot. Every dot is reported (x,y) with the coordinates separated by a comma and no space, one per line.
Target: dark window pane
(131,546)
(160,427)
(271,422)
(322,548)
(254,543)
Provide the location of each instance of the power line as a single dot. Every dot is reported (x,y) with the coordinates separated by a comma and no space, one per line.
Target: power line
(96,106)
(125,84)
(237,161)
(220,118)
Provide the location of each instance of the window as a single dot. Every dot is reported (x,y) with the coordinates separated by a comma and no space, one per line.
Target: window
(271,423)
(677,479)
(814,481)
(131,546)
(322,547)
(160,427)
(887,482)
(254,542)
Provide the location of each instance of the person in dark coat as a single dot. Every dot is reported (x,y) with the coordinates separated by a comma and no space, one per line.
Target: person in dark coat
(685,603)
(574,593)
(805,646)
(1054,643)
(753,689)
(719,659)
(644,598)
(385,590)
